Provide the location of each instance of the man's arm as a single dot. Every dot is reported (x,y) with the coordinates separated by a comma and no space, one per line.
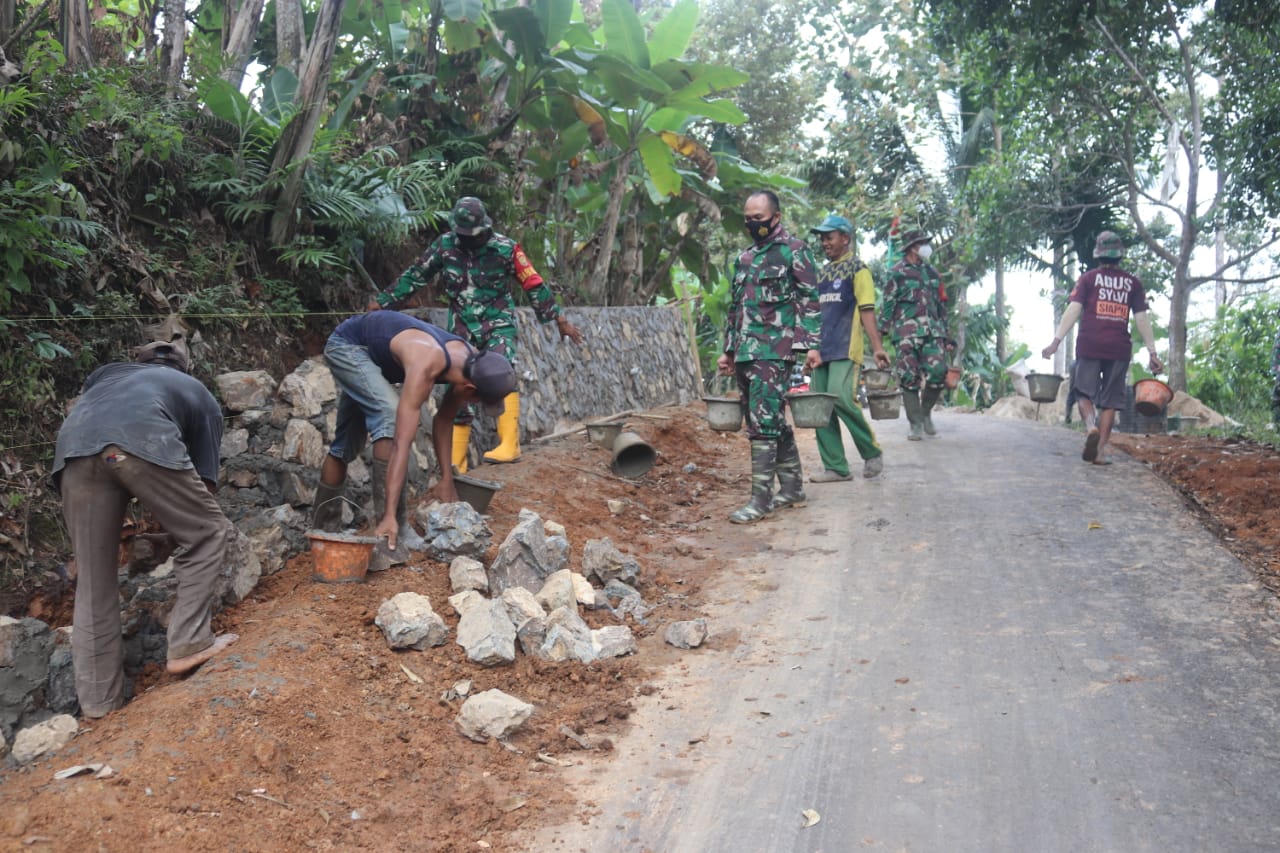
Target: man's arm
(540,296)
(1143,321)
(804,278)
(1069,317)
(411,280)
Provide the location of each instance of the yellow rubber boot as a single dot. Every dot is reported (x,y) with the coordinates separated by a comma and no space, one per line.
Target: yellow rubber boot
(508,449)
(461,441)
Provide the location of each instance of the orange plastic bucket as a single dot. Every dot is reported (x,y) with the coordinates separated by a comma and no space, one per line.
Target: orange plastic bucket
(1150,396)
(340,557)
(952,379)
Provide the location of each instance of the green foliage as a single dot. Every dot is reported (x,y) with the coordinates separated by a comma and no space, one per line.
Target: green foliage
(986,378)
(1229,359)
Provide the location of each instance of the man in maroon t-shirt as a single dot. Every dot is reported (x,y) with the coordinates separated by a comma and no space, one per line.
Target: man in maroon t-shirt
(1102,301)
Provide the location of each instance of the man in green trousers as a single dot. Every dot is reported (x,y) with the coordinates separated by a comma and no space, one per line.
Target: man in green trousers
(847,299)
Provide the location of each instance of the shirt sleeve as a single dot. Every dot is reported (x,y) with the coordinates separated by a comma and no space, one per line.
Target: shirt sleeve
(864,289)
(808,314)
(540,296)
(414,278)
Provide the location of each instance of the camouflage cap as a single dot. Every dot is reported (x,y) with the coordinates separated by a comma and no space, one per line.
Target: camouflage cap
(468,217)
(1108,245)
(834,223)
(170,353)
(494,378)
(912,238)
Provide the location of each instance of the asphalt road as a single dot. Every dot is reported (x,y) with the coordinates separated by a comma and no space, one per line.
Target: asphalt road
(993,647)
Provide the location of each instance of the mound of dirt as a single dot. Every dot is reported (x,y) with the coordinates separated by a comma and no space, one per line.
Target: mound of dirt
(310,732)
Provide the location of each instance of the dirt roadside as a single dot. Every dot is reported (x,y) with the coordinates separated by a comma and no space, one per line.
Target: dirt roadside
(312,734)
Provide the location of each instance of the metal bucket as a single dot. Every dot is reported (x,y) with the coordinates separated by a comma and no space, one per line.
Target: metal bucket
(604,434)
(475,491)
(1043,387)
(632,455)
(876,379)
(884,405)
(1150,396)
(724,413)
(811,409)
(340,557)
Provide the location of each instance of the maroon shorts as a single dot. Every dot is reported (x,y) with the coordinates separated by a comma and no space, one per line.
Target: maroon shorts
(1103,381)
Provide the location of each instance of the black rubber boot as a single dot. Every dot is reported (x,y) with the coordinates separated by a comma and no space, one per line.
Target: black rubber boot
(326,507)
(764,460)
(790,475)
(915,414)
(928,399)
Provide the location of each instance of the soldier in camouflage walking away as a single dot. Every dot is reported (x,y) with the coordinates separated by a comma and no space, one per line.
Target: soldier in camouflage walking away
(914,320)
(1275,376)
(773,314)
(476,265)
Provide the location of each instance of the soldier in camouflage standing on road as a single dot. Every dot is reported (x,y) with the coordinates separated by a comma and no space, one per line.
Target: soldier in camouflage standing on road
(773,314)
(476,265)
(914,320)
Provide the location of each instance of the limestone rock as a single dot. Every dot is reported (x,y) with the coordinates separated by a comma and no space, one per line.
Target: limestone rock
(241,390)
(60,694)
(25,647)
(234,442)
(466,573)
(486,633)
(613,641)
(492,714)
(241,569)
(567,637)
(455,530)
(463,601)
(408,622)
(686,635)
(521,605)
(523,557)
(583,592)
(603,562)
(303,443)
(557,591)
(308,388)
(48,736)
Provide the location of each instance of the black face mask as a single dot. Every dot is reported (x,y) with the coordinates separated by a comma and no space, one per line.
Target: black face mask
(472,242)
(759,229)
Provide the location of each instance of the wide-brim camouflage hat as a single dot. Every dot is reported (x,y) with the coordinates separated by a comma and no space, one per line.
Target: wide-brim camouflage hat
(469,217)
(913,238)
(172,353)
(1108,245)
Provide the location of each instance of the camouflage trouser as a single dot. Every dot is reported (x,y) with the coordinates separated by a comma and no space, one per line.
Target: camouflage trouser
(762,385)
(498,340)
(922,360)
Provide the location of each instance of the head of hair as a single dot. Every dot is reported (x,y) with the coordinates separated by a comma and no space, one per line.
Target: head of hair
(775,206)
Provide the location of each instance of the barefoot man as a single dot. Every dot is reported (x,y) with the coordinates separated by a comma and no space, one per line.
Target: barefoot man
(145,430)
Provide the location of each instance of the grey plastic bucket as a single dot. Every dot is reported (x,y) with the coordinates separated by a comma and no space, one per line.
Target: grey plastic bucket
(475,491)
(632,455)
(876,379)
(811,409)
(1043,387)
(724,413)
(884,405)
(604,434)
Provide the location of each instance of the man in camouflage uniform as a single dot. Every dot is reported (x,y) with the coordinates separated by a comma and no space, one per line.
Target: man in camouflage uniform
(914,320)
(773,313)
(1275,375)
(476,265)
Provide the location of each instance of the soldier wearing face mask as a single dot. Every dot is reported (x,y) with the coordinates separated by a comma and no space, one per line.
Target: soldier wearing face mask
(914,320)
(476,266)
(773,318)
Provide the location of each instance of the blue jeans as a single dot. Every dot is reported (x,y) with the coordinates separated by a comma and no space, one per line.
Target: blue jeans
(367,404)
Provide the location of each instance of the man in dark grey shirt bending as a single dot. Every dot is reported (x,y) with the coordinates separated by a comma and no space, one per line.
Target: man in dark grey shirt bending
(146,430)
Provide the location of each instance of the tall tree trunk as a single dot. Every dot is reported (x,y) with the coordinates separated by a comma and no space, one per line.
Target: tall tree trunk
(599,281)
(295,144)
(1002,346)
(173,56)
(76,34)
(243,33)
(8,17)
(629,258)
(1220,250)
(291,35)
(1178,301)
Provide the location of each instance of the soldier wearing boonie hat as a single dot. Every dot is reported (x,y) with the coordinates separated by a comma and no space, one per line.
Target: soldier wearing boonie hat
(476,266)
(914,321)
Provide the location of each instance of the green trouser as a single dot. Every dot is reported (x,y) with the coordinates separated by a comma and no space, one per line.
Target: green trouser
(841,378)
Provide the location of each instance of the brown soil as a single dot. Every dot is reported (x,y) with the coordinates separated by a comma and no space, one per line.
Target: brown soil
(1234,484)
(311,733)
